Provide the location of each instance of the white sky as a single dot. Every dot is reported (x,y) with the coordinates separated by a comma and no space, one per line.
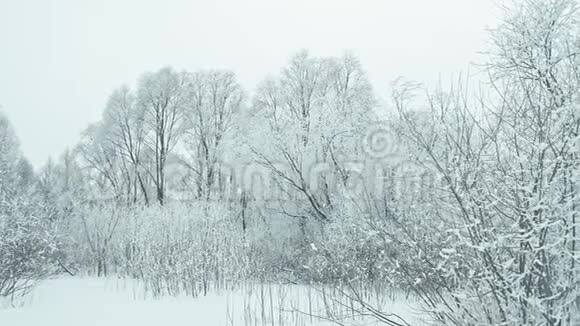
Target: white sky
(59,59)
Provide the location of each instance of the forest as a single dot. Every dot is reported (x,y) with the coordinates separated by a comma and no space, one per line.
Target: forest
(464,197)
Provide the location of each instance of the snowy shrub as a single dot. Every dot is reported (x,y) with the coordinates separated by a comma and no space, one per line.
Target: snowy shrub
(506,207)
(28,247)
(92,230)
(177,248)
(188,249)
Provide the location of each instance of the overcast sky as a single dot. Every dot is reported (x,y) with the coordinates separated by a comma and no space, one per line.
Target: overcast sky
(60,59)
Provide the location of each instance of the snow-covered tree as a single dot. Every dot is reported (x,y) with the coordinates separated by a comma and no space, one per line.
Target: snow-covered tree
(162,97)
(495,242)
(214,100)
(313,117)
(28,242)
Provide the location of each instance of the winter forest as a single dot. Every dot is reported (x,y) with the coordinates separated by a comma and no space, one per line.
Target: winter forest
(307,201)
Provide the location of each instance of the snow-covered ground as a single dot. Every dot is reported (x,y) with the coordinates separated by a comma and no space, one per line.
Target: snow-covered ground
(68,301)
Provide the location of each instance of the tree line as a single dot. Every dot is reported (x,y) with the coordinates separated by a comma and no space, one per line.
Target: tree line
(467,199)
